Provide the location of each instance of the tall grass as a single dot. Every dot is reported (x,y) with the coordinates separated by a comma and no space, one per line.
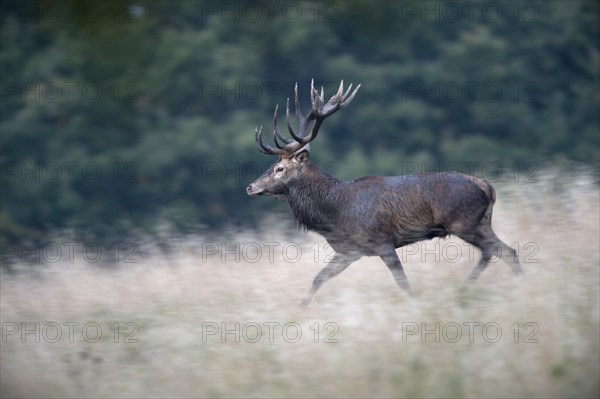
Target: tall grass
(536,336)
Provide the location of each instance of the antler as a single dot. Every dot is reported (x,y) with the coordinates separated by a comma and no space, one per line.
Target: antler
(320,110)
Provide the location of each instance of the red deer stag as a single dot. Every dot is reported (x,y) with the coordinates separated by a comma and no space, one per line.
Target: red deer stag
(372,216)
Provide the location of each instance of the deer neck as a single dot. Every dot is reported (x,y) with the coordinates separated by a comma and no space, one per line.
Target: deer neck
(315,199)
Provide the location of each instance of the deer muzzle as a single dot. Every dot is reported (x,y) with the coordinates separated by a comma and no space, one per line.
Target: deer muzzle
(251,190)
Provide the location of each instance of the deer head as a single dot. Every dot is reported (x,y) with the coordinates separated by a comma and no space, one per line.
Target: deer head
(294,153)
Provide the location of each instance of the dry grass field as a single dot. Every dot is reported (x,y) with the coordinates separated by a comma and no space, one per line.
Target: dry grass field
(220,317)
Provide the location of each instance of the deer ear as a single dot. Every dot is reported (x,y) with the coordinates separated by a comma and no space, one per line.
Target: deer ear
(302,156)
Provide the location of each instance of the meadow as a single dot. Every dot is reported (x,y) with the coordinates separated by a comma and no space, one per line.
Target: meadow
(219,316)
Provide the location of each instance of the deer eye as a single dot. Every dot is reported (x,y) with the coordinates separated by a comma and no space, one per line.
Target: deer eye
(279,169)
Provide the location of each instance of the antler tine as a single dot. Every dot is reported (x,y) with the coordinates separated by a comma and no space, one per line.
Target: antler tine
(303,120)
(347,91)
(289,123)
(340,92)
(276,133)
(347,99)
(258,139)
(297,103)
(316,99)
(262,146)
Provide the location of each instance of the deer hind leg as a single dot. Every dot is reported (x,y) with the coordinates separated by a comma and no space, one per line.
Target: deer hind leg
(490,245)
(393,263)
(338,264)
(481,266)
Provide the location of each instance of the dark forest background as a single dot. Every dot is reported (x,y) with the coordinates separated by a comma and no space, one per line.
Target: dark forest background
(119,117)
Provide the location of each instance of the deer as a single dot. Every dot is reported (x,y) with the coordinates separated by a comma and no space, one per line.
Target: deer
(373,215)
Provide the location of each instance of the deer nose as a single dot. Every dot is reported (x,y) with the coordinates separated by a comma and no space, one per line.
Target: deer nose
(249,190)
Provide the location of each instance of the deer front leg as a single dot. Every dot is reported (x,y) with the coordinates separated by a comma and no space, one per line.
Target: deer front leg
(338,264)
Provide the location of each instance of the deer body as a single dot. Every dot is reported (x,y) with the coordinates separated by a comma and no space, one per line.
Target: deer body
(372,216)
(401,210)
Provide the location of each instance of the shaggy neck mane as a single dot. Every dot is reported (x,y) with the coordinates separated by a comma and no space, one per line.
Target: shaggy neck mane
(315,198)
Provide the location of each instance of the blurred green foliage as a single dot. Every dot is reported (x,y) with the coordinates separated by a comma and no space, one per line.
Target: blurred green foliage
(120,116)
